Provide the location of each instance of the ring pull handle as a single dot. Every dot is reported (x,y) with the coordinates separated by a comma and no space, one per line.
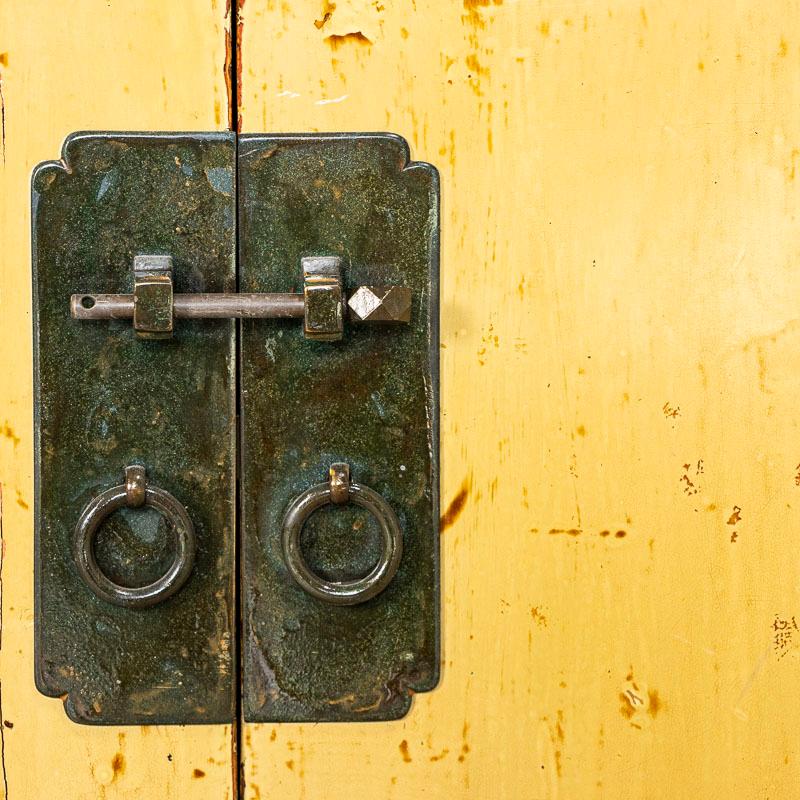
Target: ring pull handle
(340,490)
(135,492)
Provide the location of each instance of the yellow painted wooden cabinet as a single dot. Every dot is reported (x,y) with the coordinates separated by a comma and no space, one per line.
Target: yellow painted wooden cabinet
(620,373)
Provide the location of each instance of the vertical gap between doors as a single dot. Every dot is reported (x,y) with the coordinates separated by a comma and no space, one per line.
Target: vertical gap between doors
(237,755)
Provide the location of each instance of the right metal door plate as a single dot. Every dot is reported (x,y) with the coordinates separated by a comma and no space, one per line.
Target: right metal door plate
(368,401)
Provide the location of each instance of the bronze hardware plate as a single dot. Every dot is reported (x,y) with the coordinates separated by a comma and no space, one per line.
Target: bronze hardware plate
(105,399)
(140,374)
(369,400)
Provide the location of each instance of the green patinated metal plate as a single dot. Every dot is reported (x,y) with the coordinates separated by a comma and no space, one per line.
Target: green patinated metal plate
(105,399)
(369,400)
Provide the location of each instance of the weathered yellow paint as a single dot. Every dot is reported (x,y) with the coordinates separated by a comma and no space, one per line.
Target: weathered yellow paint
(619,326)
(620,330)
(82,65)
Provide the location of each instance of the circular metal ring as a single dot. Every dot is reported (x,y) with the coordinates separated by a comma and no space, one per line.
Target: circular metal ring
(343,593)
(168,584)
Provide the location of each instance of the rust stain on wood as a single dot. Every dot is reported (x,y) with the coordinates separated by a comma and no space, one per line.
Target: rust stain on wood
(336,40)
(118,765)
(453,511)
(404,751)
(327,12)
(8,432)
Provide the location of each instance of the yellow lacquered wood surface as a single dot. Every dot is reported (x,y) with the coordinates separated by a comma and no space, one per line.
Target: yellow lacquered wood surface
(620,375)
(65,67)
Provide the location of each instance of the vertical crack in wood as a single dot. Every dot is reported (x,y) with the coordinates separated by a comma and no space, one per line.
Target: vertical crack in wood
(232,67)
(2,119)
(2,559)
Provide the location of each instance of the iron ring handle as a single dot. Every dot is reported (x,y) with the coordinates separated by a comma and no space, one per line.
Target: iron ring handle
(132,494)
(352,592)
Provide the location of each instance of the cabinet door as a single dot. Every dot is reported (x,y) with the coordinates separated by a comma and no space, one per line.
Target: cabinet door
(619,371)
(147,65)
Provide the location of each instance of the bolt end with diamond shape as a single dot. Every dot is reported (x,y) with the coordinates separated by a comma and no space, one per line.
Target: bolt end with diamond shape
(380,304)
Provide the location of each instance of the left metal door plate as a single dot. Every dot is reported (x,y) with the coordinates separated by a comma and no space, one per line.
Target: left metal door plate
(135,439)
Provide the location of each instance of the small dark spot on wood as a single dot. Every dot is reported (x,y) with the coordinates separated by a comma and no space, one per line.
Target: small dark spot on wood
(538,616)
(620,534)
(198,773)
(169,756)
(735,517)
(655,704)
(290,764)
(8,723)
(8,432)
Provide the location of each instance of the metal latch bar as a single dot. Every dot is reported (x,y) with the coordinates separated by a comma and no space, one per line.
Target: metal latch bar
(217,305)
(153,305)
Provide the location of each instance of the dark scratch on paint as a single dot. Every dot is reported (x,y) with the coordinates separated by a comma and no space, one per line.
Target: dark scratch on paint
(456,505)
(3,62)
